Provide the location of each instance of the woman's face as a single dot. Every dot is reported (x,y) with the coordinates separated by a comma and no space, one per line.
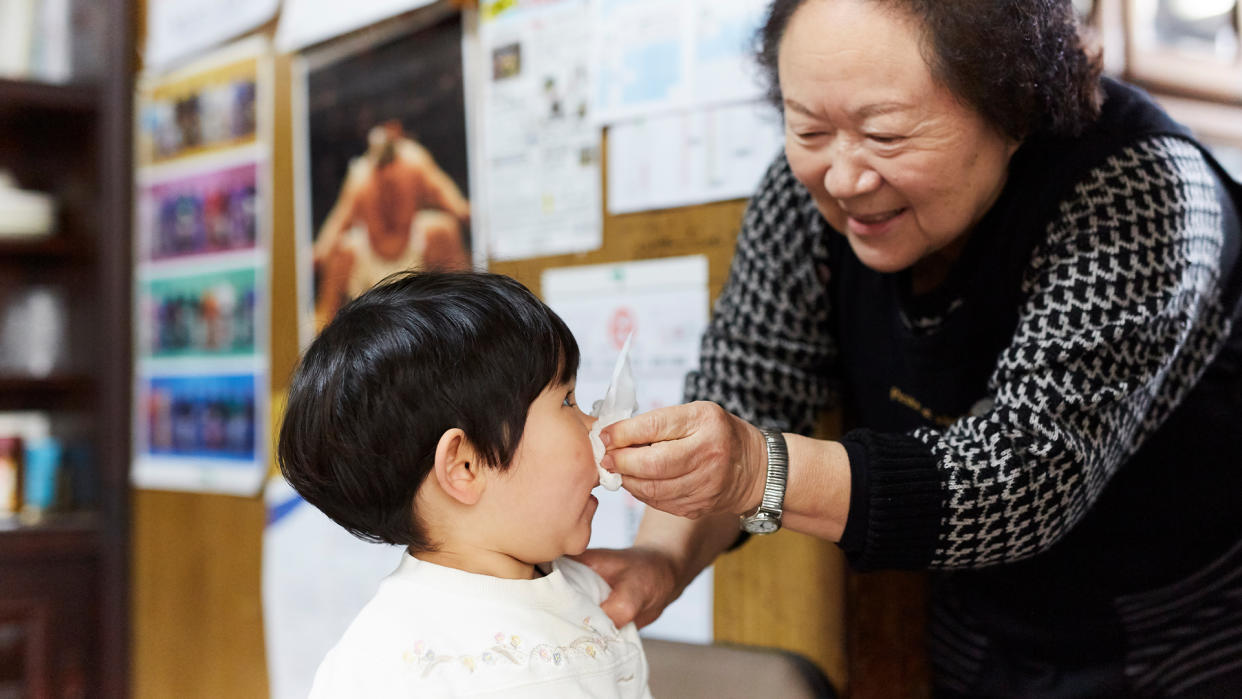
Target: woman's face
(893,160)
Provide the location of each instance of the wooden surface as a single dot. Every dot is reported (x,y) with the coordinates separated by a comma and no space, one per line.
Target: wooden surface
(785,591)
(886,619)
(198,623)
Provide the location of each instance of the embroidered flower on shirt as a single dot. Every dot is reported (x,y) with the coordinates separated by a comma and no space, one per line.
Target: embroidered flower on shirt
(506,652)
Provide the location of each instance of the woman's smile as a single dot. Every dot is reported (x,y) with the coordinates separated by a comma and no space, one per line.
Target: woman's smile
(864,225)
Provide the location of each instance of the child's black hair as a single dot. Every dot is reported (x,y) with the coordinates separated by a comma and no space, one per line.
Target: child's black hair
(417,355)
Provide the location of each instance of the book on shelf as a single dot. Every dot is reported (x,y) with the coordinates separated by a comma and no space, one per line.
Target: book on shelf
(40,473)
(52,41)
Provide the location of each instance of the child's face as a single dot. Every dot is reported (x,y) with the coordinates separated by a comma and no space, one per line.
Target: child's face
(545,496)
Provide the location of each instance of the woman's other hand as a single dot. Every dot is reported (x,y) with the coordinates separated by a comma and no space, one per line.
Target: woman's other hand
(643,581)
(689,460)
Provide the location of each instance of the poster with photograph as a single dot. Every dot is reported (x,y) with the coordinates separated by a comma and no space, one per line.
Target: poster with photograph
(205,107)
(199,432)
(200,315)
(381,159)
(208,212)
(201,274)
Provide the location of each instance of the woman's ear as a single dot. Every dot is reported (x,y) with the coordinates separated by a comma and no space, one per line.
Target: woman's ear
(457,468)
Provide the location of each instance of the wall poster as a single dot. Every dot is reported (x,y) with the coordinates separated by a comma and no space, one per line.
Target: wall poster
(201,255)
(380,157)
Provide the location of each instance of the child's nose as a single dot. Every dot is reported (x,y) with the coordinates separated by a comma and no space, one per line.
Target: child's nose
(588,420)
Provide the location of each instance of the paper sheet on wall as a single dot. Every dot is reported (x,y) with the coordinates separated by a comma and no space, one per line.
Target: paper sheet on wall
(316,578)
(540,148)
(306,22)
(656,56)
(178,29)
(693,157)
(664,303)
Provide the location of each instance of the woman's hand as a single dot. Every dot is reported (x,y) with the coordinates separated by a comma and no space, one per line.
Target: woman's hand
(689,460)
(643,581)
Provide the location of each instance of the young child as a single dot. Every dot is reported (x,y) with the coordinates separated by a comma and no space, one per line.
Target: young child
(437,411)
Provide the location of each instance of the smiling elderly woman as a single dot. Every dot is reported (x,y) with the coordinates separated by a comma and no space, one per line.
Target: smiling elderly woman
(1021,282)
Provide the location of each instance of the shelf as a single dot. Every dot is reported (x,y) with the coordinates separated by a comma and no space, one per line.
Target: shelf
(56,535)
(23,393)
(54,248)
(21,95)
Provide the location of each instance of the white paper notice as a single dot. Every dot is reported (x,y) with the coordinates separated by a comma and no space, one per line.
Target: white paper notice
(316,578)
(689,158)
(178,29)
(540,148)
(656,56)
(306,22)
(664,304)
(723,61)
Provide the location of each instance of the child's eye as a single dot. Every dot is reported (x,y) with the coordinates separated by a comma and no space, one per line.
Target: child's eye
(569,400)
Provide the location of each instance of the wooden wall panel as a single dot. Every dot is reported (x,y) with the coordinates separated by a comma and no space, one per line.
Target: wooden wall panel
(197,616)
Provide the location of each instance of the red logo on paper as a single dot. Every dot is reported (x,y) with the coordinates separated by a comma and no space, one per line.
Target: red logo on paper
(621,325)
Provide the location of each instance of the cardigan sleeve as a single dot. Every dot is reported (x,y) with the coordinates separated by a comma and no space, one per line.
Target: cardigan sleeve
(766,354)
(1122,315)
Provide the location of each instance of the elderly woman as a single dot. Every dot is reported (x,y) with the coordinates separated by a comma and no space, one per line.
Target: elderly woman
(1021,282)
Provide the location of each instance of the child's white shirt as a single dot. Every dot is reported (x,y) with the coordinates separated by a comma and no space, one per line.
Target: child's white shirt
(433,631)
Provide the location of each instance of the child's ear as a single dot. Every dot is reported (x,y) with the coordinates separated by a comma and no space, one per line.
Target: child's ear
(457,468)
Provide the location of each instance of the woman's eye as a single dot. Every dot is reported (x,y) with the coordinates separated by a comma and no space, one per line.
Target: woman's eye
(569,400)
(884,139)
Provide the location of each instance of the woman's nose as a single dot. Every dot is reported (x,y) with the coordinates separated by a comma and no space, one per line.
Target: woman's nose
(848,176)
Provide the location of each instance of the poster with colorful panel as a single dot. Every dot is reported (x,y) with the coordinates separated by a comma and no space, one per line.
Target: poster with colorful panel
(202,214)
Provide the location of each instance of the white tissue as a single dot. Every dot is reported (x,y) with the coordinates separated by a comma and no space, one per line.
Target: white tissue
(619,403)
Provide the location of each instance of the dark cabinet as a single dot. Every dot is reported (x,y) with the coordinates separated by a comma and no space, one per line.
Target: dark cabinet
(64,623)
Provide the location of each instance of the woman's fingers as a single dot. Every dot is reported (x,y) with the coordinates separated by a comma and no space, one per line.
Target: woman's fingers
(608,563)
(657,461)
(692,495)
(659,425)
(621,607)
(643,582)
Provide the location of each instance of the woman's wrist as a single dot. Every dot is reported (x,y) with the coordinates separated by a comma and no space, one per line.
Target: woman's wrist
(688,545)
(817,496)
(754,465)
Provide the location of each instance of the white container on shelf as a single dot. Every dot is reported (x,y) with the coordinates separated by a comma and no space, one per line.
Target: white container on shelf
(24,214)
(33,332)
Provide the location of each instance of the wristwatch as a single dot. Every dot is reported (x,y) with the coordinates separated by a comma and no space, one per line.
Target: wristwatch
(767,517)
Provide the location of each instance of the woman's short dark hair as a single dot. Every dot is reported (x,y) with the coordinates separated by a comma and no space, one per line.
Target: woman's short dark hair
(1019,63)
(415,356)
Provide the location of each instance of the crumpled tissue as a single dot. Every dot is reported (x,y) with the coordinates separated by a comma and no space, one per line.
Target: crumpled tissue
(619,402)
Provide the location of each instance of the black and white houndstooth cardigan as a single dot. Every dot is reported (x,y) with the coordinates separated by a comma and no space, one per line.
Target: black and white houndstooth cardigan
(1047,413)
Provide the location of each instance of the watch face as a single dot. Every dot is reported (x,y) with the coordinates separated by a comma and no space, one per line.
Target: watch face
(762,525)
